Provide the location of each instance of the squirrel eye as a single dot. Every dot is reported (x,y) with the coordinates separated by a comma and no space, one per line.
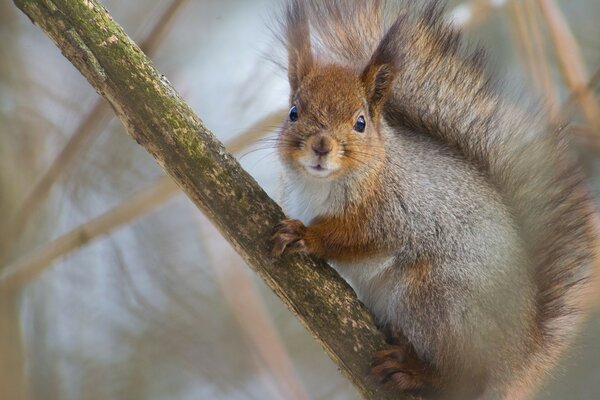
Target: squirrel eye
(360,124)
(293,114)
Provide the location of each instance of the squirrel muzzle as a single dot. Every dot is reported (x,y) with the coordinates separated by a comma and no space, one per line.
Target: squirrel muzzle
(320,156)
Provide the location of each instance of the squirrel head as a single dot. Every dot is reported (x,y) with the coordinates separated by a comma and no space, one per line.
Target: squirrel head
(335,115)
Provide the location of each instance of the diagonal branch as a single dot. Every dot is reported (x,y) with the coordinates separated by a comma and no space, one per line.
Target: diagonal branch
(158,119)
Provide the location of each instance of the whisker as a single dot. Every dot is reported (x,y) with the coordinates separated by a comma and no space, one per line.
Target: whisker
(369,166)
(260,160)
(269,152)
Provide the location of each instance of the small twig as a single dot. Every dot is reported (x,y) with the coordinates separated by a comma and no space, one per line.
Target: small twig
(524,45)
(33,264)
(12,365)
(530,46)
(83,136)
(157,32)
(540,60)
(255,131)
(570,102)
(569,55)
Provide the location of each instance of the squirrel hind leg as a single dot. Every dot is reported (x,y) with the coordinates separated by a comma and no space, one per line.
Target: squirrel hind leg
(398,367)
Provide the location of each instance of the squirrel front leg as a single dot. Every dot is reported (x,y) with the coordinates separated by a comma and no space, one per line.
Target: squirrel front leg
(330,238)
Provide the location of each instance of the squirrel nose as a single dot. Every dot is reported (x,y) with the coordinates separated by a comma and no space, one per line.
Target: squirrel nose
(322,147)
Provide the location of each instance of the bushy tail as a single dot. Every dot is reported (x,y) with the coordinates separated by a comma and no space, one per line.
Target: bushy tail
(443,90)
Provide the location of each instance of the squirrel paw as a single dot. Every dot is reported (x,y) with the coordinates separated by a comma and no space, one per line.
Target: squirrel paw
(398,369)
(289,236)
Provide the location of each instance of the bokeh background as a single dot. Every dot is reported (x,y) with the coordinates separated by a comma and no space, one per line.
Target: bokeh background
(129,292)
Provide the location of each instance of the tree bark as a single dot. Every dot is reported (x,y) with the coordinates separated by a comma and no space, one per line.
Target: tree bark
(158,119)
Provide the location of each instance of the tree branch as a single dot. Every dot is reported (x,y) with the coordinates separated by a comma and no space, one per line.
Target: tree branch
(158,119)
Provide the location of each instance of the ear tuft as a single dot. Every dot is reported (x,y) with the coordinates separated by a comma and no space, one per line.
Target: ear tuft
(297,32)
(378,81)
(379,74)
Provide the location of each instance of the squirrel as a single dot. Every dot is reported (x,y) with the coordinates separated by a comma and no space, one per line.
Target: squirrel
(458,216)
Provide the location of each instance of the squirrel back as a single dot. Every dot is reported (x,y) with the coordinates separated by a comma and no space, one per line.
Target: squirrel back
(441,90)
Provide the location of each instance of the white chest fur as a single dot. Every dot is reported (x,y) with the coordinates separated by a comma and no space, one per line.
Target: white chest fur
(368,280)
(305,200)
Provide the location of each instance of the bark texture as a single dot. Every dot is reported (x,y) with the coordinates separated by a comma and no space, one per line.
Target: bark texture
(159,120)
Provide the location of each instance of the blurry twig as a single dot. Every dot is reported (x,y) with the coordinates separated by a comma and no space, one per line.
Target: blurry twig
(34,263)
(522,39)
(253,318)
(468,15)
(84,135)
(531,46)
(570,102)
(256,131)
(540,60)
(571,61)
(31,265)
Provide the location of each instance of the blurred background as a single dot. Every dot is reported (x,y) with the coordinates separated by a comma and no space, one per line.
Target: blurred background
(123,289)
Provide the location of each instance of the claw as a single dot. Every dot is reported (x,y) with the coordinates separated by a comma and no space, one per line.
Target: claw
(396,370)
(288,236)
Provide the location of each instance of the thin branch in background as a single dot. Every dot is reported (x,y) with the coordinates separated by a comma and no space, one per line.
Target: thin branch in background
(33,264)
(524,23)
(84,135)
(155,34)
(523,44)
(540,59)
(253,318)
(584,131)
(256,131)
(573,68)
(469,15)
(570,102)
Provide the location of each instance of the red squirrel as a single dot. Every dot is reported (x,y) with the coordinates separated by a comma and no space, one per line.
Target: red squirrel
(459,217)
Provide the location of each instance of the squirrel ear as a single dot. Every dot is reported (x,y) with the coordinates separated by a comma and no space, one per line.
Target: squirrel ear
(378,81)
(300,59)
(378,76)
